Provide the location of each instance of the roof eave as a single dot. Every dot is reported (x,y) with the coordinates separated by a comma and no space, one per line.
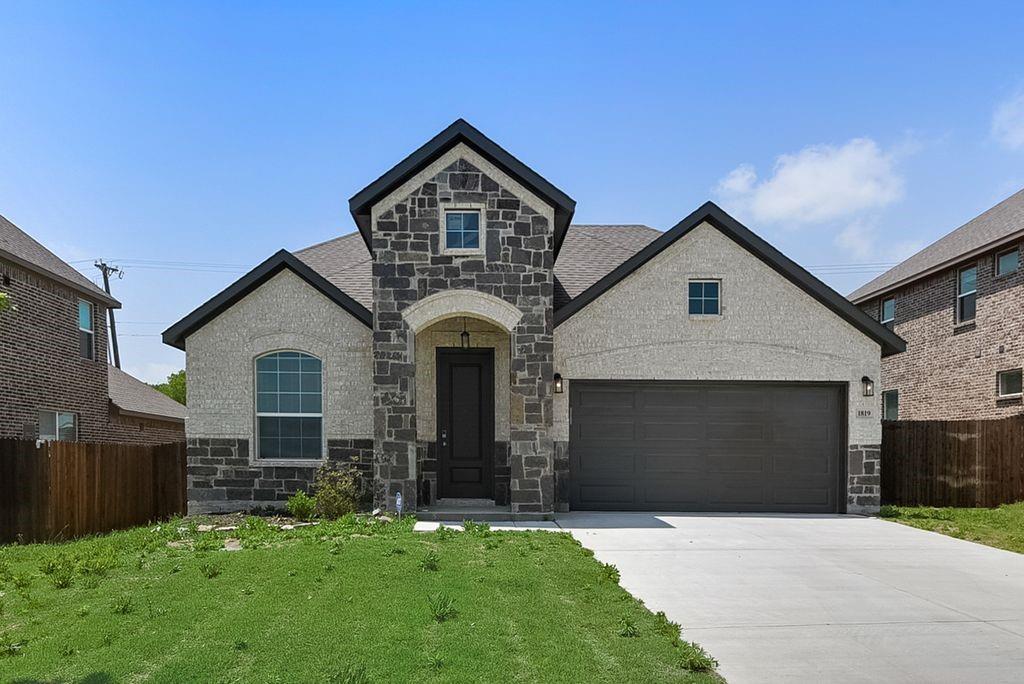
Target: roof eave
(175,335)
(147,415)
(96,294)
(709,212)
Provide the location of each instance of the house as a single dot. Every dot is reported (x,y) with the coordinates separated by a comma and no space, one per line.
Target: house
(55,382)
(468,342)
(959,304)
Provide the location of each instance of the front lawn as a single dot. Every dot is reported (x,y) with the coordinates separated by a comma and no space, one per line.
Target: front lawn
(355,600)
(1002,527)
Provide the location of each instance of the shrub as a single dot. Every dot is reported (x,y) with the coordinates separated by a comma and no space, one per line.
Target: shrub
(696,659)
(338,492)
(628,628)
(301,506)
(442,606)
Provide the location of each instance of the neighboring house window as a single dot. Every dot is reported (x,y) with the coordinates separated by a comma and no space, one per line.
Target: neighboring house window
(289,406)
(891,405)
(1008,261)
(966,293)
(60,425)
(86,335)
(889,312)
(1009,382)
(462,230)
(704,296)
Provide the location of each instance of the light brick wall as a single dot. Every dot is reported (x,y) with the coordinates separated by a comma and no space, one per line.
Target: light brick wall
(949,371)
(769,330)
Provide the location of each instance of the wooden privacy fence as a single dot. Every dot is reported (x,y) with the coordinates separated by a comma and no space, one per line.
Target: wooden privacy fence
(61,490)
(953,463)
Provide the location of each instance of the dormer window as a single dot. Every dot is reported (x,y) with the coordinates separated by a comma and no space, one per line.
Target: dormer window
(462,230)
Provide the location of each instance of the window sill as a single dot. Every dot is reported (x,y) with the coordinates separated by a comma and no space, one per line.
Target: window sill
(704,317)
(288,462)
(964,326)
(462,252)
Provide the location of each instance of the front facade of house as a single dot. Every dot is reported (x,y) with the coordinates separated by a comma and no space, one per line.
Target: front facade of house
(958,304)
(54,374)
(469,343)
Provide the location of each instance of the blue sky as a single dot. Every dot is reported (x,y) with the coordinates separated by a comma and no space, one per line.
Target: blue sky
(217,133)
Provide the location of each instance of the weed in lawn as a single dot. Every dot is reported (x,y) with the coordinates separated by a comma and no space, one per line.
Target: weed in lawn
(5,571)
(444,533)
(668,628)
(431,561)
(175,569)
(22,581)
(394,551)
(255,532)
(628,628)
(476,529)
(696,659)
(353,674)
(241,645)
(292,573)
(83,611)
(210,570)
(124,605)
(248,591)
(329,567)
(97,563)
(62,577)
(67,650)
(442,606)
(9,645)
(301,505)
(208,541)
(610,572)
(434,661)
(336,548)
(107,640)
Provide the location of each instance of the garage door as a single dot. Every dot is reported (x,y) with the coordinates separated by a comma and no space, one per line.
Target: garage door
(705,446)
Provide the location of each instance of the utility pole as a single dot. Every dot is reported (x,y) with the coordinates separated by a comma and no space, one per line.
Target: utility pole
(106,270)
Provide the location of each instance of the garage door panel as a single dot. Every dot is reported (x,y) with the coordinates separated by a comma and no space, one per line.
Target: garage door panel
(647,445)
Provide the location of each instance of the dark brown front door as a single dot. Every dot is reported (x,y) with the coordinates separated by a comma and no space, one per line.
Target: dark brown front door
(465,422)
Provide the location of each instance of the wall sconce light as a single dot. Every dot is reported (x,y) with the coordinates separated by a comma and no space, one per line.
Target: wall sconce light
(465,335)
(868,385)
(559,387)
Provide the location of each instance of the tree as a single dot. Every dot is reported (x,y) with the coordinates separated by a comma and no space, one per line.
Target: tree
(174,387)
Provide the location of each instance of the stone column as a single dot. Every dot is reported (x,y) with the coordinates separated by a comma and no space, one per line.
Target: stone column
(532,451)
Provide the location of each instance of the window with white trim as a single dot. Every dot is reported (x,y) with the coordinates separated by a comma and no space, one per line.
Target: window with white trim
(704,297)
(889,312)
(86,334)
(966,294)
(1008,261)
(289,406)
(891,405)
(462,230)
(1009,383)
(58,425)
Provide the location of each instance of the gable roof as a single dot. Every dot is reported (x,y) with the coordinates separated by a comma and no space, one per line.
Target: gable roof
(1003,223)
(461,131)
(134,397)
(712,214)
(18,246)
(591,251)
(176,334)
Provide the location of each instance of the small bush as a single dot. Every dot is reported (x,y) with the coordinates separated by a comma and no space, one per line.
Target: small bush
(430,562)
(442,606)
(301,506)
(338,492)
(696,659)
(209,570)
(628,628)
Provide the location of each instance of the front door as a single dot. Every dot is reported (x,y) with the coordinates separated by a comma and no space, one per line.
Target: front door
(465,423)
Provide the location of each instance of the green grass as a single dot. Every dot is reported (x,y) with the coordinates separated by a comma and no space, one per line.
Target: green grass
(346,601)
(1001,527)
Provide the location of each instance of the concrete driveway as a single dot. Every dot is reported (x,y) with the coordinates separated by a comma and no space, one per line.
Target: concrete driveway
(779,598)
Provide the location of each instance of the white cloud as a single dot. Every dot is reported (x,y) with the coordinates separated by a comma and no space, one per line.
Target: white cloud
(818,184)
(858,239)
(1008,122)
(152,373)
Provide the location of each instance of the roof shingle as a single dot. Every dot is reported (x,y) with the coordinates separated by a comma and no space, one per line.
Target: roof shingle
(999,223)
(19,246)
(131,394)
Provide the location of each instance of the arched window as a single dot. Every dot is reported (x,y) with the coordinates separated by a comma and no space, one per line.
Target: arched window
(289,406)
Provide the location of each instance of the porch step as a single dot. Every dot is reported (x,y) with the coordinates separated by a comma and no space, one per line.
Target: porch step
(477,510)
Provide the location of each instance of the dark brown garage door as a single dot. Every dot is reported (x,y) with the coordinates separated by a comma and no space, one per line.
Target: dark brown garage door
(705,446)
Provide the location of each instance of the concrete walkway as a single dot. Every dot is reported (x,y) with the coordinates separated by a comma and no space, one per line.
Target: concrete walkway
(780,598)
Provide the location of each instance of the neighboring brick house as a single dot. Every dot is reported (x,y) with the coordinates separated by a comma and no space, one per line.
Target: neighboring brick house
(959,304)
(55,382)
(469,343)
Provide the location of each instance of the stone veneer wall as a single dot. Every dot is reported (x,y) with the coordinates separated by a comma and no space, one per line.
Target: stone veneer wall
(516,267)
(221,476)
(561,476)
(864,479)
